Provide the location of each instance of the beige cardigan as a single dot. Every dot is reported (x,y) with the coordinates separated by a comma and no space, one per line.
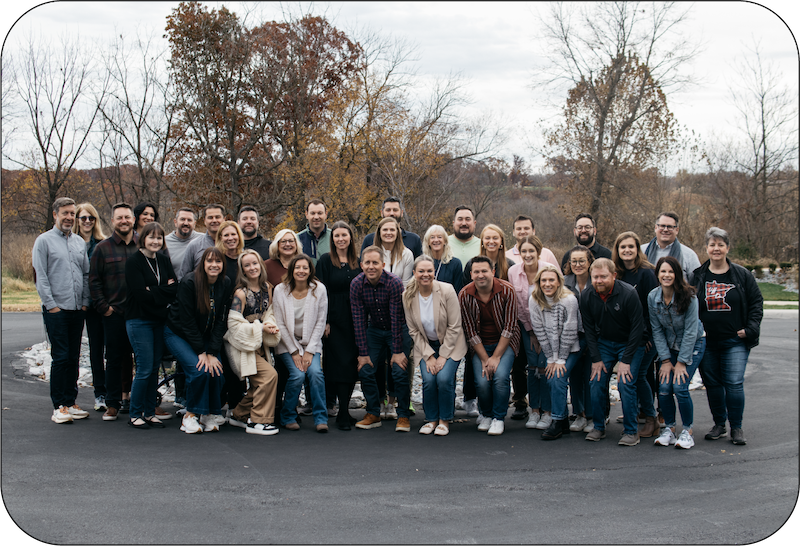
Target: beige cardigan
(314,318)
(243,338)
(447,320)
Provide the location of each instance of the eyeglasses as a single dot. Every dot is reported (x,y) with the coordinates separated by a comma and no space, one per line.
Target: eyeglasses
(666,227)
(288,242)
(87,218)
(578,262)
(584,228)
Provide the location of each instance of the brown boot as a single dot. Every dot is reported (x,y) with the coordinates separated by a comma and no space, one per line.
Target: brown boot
(649,429)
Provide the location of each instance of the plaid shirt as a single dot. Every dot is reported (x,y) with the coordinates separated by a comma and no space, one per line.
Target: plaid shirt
(107,273)
(382,304)
(504,310)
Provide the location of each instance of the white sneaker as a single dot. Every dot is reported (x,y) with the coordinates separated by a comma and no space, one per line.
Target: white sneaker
(210,423)
(77,412)
(333,412)
(100,403)
(685,440)
(666,439)
(190,425)
(235,422)
(305,410)
(533,420)
(497,427)
(589,426)
(471,407)
(483,423)
(544,422)
(578,424)
(391,412)
(61,415)
(263,429)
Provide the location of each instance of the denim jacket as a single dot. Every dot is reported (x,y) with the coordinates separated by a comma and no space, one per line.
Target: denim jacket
(672,331)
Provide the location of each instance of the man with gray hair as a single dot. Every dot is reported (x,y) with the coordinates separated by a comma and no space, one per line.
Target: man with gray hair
(666,243)
(61,268)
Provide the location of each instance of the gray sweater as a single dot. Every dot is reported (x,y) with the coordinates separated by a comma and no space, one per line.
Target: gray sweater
(556,328)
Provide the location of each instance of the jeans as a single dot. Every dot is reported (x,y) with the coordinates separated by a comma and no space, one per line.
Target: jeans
(118,350)
(439,391)
(64,330)
(667,388)
(147,340)
(202,389)
(519,377)
(493,393)
(316,392)
(558,388)
(94,331)
(722,370)
(379,343)
(610,353)
(538,390)
(579,382)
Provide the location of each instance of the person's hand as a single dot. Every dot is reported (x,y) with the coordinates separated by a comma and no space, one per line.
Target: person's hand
(363,361)
(598,368)
(440,362)
(681,375)
(307,359)
(431,365)
(270,328)
(624,373)
(741,333)
(648,346)
(170,281)
(327,330)
(54,310)
(108,311)
(490,366)
(400,359)
(298,361)
(209,363)
(554,369)
(84,308)
(664,371)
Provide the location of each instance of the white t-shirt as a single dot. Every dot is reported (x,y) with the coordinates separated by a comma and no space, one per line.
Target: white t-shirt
(426,314)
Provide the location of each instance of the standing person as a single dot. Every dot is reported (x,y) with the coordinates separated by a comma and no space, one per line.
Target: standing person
(555,318)
(336,270)
(316,238)
(380,328)
(523,227)
(230,241)
(522,277)
(666,243)
(489,314)
(493,243)
(301,309)
(285,247)
(184,233)
(213,215)
(152,286)
(634,269)
(391,208)
(62,281)
(612,320)
(433,316)
(251,330)
(447,267)
(248,221)
(87,225)
(196,322)
(731,309)
(678,335)
(144,213)
(585,232)
(109,294)
(396,257)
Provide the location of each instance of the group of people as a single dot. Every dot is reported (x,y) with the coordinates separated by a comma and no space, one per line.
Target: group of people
(252,322)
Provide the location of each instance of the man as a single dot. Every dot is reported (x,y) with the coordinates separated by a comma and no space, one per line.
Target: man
(612,318)
(316,238)
(489,315)
(380,328)
(213,215)
(463,243)
(109,292)
(666,243)
(391,207)
(585,232)
(61,270)
(523,226)
(248,222)
(184,233)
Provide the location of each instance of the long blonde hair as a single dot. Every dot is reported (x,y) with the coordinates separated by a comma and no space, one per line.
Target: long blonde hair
(502,264)
(562,292)
(412,289)
(97,230)
(398,248)
(225,225)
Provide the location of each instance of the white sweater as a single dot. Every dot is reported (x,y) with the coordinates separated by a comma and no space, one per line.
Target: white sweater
(556,328)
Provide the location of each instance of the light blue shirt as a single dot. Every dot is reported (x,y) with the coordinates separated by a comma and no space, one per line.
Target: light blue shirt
(62,270)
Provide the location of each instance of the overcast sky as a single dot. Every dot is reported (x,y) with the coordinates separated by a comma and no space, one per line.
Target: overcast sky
(493,46)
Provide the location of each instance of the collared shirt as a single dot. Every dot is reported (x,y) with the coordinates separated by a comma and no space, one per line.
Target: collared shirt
(107,272)
(689,259)
(314,246)
(546,256)
(62,270)
(382,304)
(503,302)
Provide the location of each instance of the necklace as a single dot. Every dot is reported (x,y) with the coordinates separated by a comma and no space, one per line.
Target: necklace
(155,271)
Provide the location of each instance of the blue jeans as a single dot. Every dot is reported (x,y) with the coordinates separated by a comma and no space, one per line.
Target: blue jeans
(202,389)
(147,340)
(493,393)
(558,388)
(439,391)
(64,329)
(315,392)
(722,370)
(538,390)
(610,353)
(667,388)
(579,382)
(379,345)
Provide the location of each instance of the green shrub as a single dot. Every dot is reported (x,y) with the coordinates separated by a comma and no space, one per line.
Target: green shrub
(773,267)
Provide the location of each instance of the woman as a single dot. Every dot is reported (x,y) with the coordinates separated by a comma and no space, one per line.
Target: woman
(556,320)
(336,270)
(397,258)
(433,315)
(679,339)
(522,277)
(193,333)
(301,308)
(143,214)
(447,267)
(576,278)
(493,246)
(251,329)
(152,286)
(731,309)
(286,246)
(87,225)
(230,241)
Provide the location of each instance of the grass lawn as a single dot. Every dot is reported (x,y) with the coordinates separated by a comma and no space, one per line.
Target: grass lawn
(775,292)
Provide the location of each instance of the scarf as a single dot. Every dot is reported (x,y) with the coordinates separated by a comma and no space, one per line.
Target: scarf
(652,248)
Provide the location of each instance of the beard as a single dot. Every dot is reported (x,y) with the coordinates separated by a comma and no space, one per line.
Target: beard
(249,233)
(585,239)
(463,236)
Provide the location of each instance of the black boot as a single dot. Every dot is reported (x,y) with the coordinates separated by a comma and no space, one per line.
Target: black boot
(565,426)
(554,431)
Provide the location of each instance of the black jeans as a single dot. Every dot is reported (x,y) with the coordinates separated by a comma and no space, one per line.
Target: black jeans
(94,331)
(118,352)
(64,329)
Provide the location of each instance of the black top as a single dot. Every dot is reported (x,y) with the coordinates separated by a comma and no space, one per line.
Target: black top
(201,330)
(617,319)
(260,245)
(643,281)
(597,250)
(149,291)
(410,240)
(231,269)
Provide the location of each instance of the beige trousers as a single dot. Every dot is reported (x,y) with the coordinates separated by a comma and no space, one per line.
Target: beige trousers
(259,402)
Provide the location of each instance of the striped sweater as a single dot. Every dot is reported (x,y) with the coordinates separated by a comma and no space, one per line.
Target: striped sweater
(504,311)
(557,328)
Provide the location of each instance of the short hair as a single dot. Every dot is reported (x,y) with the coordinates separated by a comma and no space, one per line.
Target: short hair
(275,244)
(482,260)
(147,230)
(121,205)
(391,199)
(185,209)
(522,218)
(639,262)
(247,208)
(222,227)
(316,202)
(668,214)
(717,233)
(213,206)
(373,248)
(139,209)
(584,215)
(603,263)
(459,208)
(62,202)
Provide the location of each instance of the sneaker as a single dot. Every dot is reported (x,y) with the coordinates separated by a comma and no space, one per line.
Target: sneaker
(125,407)
(61,415)
(737,437)
(162,414)
(391,412)
(180,402)
(403,425)
(685,440)
(411,409)
(369,421)
(110,414)
(589,426)
(305,410)
(520,413)
(471,407)
(596,435)
(533,420)
(211,422)
(244,423)
(294,425)
(77,412)
(484,423)
(497,427)
(716,432)
(190,425)
(263,429)
(667,438)
(100,403)
(333,412)
(629,440)
(578,424)
(544,422)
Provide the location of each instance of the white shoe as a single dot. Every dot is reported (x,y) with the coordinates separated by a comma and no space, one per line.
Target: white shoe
(578,424)
(61,415)
(77,412)
(533,420)
(685,440)
(190,425)
(391,412)
(497,427)
(483,423)
(210,423)
(471,407)
(235,422)
(666,439)
(589,426)
(100,403)
(427,428)
(263,429)
(333,412)
(544,422)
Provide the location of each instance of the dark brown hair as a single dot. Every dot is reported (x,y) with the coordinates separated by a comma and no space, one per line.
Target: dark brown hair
(201,285)
(683,291)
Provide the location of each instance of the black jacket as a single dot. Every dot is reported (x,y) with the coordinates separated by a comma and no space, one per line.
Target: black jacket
(187,322)
(618,319)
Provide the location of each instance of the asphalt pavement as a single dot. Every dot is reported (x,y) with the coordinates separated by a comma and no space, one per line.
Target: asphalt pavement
(103,482)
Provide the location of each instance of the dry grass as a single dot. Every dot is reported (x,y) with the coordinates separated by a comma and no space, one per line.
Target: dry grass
(17,256)
(20,296)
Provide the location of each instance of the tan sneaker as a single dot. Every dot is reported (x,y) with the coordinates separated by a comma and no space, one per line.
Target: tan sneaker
(403,425)
(629,440)
(370,421)
(61,415)
(77,413)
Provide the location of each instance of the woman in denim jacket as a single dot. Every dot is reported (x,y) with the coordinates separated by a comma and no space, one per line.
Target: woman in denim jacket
(680,341)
